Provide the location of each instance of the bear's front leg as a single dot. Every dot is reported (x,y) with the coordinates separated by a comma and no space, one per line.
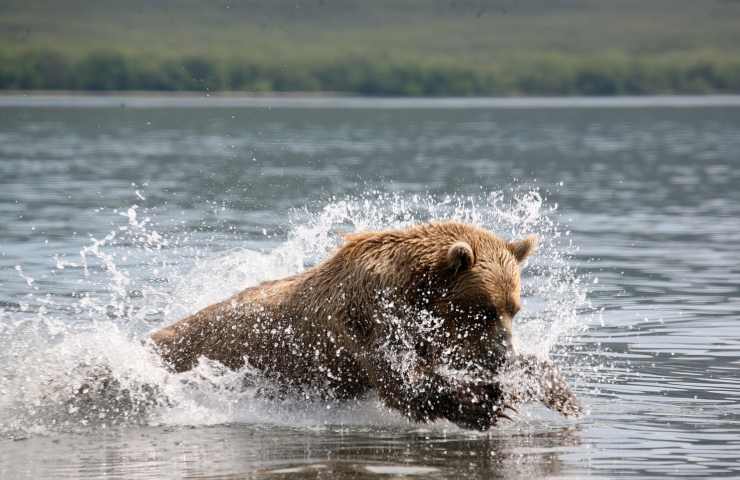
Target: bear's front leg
(475,406)
(425,396)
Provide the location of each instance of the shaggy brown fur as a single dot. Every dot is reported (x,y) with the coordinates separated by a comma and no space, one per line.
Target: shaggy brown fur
(387,311)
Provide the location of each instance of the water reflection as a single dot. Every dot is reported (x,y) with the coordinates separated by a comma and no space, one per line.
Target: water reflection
(283,453)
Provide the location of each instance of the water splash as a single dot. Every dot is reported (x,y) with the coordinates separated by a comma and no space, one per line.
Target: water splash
(136,279)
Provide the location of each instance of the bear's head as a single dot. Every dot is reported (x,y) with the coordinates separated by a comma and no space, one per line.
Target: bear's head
(476,293)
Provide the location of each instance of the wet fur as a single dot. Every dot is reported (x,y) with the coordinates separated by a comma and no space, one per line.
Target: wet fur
(329,328)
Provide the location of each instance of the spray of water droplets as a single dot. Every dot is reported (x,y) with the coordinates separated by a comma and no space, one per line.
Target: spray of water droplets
(82,360)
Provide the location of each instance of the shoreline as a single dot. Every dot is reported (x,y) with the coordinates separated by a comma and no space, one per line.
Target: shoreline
(335,100)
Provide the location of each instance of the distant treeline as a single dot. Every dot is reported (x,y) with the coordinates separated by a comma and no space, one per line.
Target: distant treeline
(555,74)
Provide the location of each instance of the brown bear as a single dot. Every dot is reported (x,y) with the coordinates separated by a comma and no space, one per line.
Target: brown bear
(423,315)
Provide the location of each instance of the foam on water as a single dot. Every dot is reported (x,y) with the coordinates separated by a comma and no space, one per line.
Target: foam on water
(83,361)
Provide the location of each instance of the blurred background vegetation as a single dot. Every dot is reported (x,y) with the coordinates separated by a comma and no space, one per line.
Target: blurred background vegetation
(373,47)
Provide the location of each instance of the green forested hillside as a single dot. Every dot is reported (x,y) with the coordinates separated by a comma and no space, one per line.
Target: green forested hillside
(402,47)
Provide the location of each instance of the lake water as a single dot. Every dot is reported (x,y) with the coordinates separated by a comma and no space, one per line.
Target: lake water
(120,215)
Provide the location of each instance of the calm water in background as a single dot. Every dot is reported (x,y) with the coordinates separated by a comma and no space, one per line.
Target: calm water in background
(648,196)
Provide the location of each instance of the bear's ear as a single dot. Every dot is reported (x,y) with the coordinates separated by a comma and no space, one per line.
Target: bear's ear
(460,257)
(521,249)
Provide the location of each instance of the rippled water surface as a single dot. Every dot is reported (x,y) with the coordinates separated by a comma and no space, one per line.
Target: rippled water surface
(121,216)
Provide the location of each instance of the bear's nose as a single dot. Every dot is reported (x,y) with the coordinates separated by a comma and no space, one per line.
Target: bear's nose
(507,342)
(505,332)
